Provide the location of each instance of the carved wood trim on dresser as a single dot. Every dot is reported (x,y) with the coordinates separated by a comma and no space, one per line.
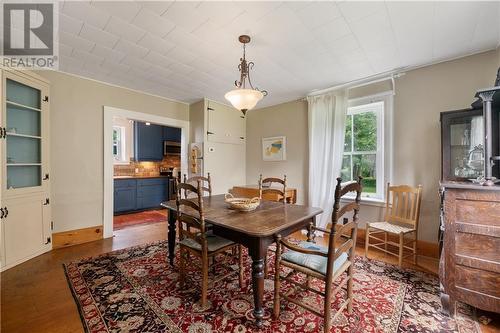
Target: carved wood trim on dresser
(470,261)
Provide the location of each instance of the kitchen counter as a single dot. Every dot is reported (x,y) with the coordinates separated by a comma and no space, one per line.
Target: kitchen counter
(138,177)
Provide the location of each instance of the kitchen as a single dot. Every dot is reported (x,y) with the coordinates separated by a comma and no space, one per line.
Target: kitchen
(147,158)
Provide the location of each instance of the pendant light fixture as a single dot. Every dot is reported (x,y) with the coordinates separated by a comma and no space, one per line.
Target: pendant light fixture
(245,97)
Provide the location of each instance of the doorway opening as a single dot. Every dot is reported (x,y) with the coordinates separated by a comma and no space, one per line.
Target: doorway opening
(143,154)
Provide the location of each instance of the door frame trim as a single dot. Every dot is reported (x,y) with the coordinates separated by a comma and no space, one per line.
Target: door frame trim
(110,112)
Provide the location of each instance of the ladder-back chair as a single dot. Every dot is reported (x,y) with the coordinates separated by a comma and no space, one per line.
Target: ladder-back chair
(196,240)
(402,214)
(206,183)
(268,192)
(324,263)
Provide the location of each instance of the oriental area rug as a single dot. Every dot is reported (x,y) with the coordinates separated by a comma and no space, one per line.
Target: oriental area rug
(136,290)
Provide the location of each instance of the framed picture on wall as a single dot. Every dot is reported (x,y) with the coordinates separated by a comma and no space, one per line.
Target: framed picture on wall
(274,148)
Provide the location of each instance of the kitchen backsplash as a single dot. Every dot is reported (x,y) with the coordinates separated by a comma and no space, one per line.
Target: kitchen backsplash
(146,168)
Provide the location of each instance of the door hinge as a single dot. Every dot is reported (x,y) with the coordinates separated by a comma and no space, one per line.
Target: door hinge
(46,177)
(47,202)
(209,109)
(6,211)
(48,240)
(51,225)
(210,132)
(3,133)
(46,99)
(1,213)
(242,117)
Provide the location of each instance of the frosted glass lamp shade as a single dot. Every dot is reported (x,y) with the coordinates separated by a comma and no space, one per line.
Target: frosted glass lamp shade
(244,99)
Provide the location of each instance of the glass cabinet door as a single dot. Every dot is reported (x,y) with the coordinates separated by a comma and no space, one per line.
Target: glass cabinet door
(463,151)
(23,125)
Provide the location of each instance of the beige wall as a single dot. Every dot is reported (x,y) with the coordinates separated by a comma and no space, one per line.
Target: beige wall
(421,95)
(290,120)
(76,129)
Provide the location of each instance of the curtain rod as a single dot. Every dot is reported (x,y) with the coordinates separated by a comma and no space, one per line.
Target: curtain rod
(361,82)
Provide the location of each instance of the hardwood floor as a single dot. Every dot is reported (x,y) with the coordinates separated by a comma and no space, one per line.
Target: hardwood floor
(35,296)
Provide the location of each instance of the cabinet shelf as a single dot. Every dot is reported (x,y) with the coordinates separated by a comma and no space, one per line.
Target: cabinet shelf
(23,106)
(23,164)
(24,135)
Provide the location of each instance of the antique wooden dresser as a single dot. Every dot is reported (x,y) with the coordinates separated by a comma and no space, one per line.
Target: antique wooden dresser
(469,268)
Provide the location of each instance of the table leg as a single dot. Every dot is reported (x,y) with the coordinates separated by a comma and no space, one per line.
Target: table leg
(171,235)
(258,284)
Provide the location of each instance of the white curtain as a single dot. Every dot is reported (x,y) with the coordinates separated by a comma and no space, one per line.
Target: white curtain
(326,119)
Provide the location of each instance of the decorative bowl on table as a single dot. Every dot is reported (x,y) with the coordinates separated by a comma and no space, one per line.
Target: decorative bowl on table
(242,204)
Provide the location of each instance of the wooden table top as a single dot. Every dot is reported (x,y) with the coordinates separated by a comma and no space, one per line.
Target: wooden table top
(268,219)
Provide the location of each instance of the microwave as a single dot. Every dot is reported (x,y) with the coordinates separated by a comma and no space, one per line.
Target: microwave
(171,148)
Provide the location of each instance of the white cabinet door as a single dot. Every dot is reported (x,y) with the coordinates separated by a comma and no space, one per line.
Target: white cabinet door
(225,124)
(25,228)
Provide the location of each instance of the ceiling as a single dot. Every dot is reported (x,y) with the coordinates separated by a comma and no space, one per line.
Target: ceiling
(189,50)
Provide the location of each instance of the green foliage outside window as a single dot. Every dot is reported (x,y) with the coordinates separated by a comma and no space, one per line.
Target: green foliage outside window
(360,150)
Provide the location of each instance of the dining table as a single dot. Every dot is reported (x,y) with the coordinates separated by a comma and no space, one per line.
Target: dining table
(256,230)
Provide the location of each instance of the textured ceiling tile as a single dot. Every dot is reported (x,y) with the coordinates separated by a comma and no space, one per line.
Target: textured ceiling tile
(124,29)
(157,59)
(126,10)
(156,44)
(132,49)
(153,23)
(75,41)
(180,55)
(99,36)
(108,53)
(296,46)
(136,63)
(69,24)
(317,14)
(159,7)
(85,12)
(183,15)
(87,57)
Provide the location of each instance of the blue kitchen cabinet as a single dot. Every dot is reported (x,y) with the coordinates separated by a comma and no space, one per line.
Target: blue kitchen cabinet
(172,134)
(148,142)
(151,192)
(139,194)
(125,195)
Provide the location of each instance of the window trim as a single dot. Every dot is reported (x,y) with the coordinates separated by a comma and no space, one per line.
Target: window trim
(122,142)
(384,142)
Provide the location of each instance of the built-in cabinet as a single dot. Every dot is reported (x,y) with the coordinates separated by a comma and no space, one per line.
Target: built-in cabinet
(25,200)
(220,132)
(225,124)
(139,194)
(148,140)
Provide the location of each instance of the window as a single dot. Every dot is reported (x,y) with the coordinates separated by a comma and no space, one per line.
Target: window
(119,151)
(364,148)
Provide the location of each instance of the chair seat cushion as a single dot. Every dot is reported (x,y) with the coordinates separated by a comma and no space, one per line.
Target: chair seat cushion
(314,262)
(392,227)
(214,243)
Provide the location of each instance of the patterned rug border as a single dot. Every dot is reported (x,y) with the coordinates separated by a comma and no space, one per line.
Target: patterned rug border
(87,329)
(75,298)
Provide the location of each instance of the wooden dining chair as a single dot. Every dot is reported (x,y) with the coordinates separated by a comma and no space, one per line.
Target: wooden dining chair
(270,193)
(327,264)
(205,181)
(402,213)
(196,240)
